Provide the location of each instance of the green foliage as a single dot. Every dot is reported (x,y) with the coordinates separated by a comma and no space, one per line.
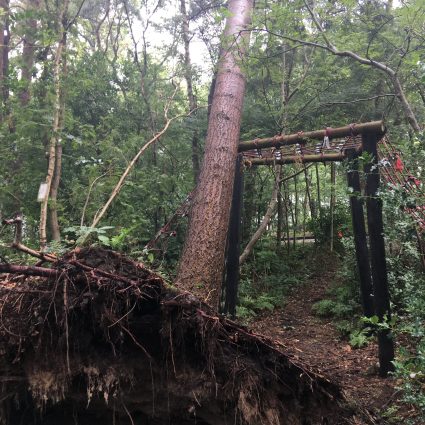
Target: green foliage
(410,372)
(115,101)
(324,308)
(330,308)
(83,235)
(360,338)
(267,278)
(320,226)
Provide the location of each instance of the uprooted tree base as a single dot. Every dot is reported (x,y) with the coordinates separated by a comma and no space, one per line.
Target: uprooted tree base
(106,341)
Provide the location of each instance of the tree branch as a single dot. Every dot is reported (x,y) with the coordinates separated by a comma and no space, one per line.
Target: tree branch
(123,177)
(408,111)
(28,270)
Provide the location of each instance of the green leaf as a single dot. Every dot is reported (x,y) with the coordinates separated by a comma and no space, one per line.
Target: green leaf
(105,240)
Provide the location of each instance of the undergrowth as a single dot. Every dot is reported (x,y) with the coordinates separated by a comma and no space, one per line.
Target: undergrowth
(269,275)
(343,298)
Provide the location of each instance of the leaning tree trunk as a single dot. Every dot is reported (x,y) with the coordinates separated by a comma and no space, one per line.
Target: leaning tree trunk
(202,260)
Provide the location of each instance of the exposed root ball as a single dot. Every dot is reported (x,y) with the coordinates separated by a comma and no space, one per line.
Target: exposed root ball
(108,342)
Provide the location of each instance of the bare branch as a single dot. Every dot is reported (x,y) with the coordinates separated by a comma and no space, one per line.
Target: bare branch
(123,177)
(28,270)
(366,99)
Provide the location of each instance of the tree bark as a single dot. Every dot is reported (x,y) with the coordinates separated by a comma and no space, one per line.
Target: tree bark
(4,57)
(319,202)
(375,226)
(53,208)
(332,203)
(279,218)
(295,214)
(202,261)
(233,243)
(56,124)
(286,204)
(311,203)
(360,238)
(54,221)
(248,203)
(191,97)
(28,51)
(28,270)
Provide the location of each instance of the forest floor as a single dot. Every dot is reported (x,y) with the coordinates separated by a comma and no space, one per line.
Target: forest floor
(316,342)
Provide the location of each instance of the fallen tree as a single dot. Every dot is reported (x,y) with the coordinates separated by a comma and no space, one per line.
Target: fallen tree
(103,340)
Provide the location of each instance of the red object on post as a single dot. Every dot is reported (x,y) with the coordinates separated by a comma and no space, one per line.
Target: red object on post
(399,166)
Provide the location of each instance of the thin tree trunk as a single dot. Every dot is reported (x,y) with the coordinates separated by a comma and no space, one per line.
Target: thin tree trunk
(286,198)
(53,217)
(56,124)
(311,204)
(191,97)
(332,203)
(249,203)
(295,208)
(4,57)
(54,221)
(202,261)
(271,210)
(28,51)
(319,202)
(305,200)
(279,218)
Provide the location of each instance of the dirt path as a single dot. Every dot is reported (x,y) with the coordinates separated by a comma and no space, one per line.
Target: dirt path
(316,342)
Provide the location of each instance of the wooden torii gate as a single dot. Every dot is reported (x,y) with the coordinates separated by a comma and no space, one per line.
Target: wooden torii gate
(330,144)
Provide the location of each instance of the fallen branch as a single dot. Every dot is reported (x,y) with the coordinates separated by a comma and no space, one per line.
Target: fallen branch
(88,197)
(271,209)
(37,254)
(123,177)
(28,270)
(17,242)
(182,211)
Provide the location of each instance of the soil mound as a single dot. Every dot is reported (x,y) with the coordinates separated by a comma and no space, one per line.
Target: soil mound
(103,340)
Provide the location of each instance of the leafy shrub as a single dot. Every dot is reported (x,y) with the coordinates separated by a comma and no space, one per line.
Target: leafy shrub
(360,338)
(320,225)
(324,308)
(410,370)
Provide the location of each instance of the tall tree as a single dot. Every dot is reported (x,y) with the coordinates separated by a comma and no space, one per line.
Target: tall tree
(28,50)
(4,54)
(54,163)
(202,260)
(188,75)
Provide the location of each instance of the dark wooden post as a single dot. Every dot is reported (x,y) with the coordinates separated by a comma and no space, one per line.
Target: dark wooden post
(360,240)
(377,250)
(332,204)
(233,242)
